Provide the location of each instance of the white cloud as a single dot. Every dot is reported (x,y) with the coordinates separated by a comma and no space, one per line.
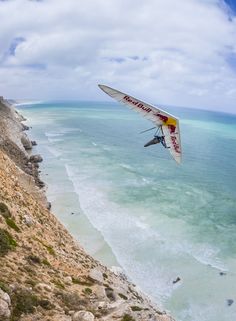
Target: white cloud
(168,52)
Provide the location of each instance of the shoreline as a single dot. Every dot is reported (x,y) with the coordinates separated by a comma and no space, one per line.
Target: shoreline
(66,205)
(61,280)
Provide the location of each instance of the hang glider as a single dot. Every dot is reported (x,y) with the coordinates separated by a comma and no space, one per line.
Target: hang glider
(167,125)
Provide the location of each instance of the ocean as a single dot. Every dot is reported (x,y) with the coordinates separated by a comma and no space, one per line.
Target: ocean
(134,207)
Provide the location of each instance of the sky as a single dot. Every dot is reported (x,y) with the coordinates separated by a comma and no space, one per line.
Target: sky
(167,52)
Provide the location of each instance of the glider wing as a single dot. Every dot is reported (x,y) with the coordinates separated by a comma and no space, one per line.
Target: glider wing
(169,123)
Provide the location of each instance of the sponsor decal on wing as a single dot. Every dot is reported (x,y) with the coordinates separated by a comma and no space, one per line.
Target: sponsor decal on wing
(137,104)
(175,144)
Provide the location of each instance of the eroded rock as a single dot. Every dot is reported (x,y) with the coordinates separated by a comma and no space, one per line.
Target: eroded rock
(68,280)
(96,275)
(28,220)
(26,142)
(25,127)
(36,158)
(4,310)
(33,142)
(5,304)
(83,316)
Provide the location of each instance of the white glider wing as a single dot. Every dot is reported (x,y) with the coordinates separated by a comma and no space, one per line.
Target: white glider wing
(168,123)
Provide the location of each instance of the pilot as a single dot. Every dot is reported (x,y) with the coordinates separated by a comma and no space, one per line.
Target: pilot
(156,140)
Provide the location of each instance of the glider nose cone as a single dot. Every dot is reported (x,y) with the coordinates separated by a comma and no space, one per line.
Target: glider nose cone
(104,88)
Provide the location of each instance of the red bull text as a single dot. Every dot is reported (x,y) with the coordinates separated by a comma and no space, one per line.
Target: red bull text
(137,104)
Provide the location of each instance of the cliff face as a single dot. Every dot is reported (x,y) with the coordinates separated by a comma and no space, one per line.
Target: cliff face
(44,274)
(16,144)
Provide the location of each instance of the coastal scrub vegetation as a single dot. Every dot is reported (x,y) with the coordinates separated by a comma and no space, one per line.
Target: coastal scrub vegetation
(71,300)
(48,247)
(4,210)
(58,284)
(87,291)
(81,282)
(45,262)
(127,317)
(4,287)
(24,301)
(7,243)
(124,297)
(33,259)
(11,223)
(136,308)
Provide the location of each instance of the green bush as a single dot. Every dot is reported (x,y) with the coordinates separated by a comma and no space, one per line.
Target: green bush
(81,282)
(4,287)
(23,301)
(127,317)
(58,284)
(87,291)
(4,211)
(50,249)
(46,304)
(45,262)
(31,282)
(7,242)
(124,297)
(136,308)
(33,259)
(11,223)
(72,300)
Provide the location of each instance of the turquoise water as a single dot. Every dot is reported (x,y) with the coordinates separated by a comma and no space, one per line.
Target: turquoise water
(135,207)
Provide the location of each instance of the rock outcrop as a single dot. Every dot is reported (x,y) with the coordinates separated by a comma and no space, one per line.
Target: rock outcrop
(5,305)
(45,274)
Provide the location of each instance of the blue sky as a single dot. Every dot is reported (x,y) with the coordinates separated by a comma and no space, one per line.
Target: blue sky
(231,4)
(169,52)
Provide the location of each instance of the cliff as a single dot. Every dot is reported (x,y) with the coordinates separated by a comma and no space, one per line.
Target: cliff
(44,273)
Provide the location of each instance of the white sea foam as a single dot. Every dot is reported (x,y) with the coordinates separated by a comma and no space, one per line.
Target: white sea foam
(120,229)
(53,134)
(142,225)
(208,255)
(61,132)
(146,181)
(65,130)
(107,148)
(54,140)
(124,231)
(127,167)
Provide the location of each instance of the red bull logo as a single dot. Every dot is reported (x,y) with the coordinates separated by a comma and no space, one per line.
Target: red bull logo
(162,117)
(175,144)
(137,104)
(172,128)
